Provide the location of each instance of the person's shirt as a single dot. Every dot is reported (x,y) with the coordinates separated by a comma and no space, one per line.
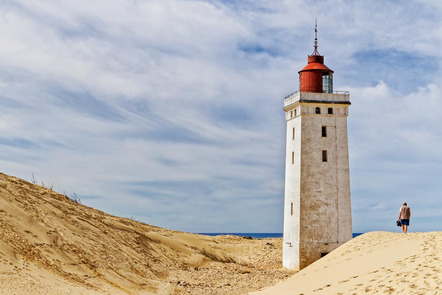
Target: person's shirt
(404,212)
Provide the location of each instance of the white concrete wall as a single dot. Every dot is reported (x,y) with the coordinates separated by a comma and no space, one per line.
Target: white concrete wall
(343,97)
(292,191)
(319,191)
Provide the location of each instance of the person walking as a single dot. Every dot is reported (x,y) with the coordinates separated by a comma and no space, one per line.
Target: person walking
(404,217)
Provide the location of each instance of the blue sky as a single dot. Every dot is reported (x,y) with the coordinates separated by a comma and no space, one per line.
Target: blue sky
(171,111)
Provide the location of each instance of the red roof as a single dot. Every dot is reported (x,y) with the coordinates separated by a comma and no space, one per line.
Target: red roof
(316,66)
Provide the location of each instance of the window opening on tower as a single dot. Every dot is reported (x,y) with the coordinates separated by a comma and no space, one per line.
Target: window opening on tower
(324,156)
(317,110)
(324,131)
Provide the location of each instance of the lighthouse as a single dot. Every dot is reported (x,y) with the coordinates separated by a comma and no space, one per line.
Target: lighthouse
(317,205)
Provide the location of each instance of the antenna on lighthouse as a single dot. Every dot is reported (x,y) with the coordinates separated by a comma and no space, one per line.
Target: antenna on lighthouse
(316,38)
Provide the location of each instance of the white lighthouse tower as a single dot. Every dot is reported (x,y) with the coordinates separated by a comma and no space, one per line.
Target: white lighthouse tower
(317,209)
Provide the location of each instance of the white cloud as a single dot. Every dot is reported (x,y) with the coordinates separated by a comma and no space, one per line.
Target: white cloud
(394,154)
(171,110)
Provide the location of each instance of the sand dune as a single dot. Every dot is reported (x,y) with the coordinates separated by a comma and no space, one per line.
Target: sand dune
(52,245)
(374,263)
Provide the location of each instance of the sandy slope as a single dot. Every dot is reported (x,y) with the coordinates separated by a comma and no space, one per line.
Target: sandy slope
(52,245)
(374,263)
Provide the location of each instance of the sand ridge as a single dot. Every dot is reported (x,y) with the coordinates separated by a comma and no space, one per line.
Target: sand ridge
(373,263)
(52,245)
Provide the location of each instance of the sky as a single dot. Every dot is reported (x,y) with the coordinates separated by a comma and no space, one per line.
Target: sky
(170,111)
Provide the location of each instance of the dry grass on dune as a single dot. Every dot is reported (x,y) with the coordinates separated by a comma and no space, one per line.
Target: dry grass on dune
(373,263)
(52,245)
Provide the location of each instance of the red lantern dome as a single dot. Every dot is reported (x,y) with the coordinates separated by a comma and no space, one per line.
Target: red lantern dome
(315,76)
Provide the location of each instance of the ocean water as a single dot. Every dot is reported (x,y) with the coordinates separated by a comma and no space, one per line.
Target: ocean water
(257,235)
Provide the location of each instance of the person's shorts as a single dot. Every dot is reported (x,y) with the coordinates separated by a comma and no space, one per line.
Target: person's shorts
(405,221)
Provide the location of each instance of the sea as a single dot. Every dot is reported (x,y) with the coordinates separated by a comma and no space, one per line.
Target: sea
(258,235)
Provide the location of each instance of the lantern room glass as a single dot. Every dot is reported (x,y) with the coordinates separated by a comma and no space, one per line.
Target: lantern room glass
(327,83)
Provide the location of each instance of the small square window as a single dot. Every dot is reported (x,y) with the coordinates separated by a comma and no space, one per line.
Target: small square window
(317,110)
(330,111)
